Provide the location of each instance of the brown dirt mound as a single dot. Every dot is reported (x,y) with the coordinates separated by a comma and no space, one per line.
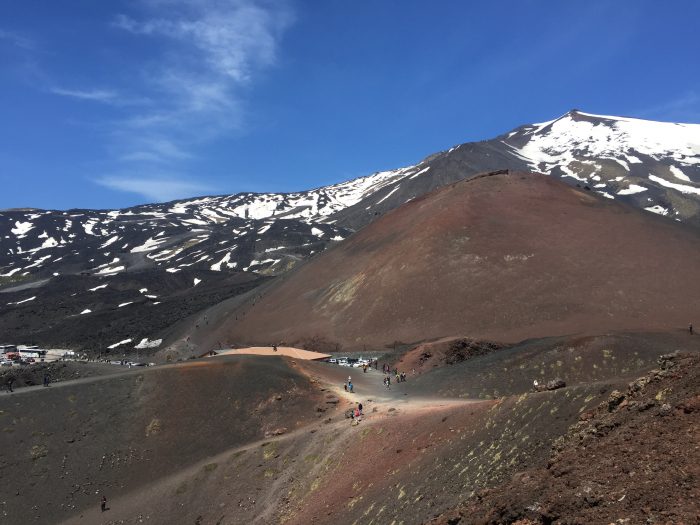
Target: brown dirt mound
(503,257)
(64,446)
(446,351)
(633,459)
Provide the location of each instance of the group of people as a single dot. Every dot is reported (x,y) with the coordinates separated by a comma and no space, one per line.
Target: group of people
(348,385)
(400,377)
(356,414)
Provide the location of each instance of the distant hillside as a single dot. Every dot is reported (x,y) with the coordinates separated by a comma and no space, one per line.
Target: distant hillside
(503,257)
(654,166)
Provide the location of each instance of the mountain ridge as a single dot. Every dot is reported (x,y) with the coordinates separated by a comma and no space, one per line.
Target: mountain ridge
(210,239)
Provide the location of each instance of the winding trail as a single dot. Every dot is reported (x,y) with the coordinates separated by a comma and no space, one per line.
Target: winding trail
(378,402)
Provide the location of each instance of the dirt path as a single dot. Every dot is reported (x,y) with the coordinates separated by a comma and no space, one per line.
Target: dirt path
(379,403)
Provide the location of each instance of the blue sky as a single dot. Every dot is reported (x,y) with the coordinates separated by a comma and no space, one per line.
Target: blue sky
(112,104)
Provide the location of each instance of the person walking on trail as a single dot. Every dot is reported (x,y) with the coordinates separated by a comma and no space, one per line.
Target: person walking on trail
(359,407)
(350,387)
(103,503)
(47,379)
(690,328)
(10,380)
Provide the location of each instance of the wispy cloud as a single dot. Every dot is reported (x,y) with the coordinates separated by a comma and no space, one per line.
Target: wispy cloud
(234,37)
(154,187)
(17,39)
(97,95)
(154,149)
(207,54)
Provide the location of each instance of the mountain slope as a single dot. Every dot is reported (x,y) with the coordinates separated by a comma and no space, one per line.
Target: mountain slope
(651,165)
(504,257)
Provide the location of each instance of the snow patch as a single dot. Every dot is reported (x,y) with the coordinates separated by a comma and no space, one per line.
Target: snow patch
(388,195)
(21,228)
(660,210)
(632,189)
(679,174)
(125,341)
(683,188)
(23,301)
(145,343)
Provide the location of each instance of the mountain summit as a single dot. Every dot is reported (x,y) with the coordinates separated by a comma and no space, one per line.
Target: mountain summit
(45,255)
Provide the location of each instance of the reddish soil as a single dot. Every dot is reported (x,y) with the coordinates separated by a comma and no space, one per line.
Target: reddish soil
(247,439)
(633,459)
(503,258)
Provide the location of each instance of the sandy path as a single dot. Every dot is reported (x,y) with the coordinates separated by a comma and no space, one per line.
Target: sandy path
(369,390)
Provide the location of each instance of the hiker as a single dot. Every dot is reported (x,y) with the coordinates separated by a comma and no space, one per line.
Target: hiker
(690,328)
(345,386)
(358,415)
(364,368)
(10,380)
(47,379)
(103,503)
(350,387)
(359,406)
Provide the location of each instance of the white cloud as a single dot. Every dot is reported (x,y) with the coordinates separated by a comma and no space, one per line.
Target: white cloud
(17,39)
(233,37)
(154,149)
(204,55)
(155,188)
(97,95)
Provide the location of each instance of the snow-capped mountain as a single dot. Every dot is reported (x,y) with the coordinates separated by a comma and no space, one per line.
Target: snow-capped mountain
(264,233)
(95,276)
(659,162)
(653,165)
